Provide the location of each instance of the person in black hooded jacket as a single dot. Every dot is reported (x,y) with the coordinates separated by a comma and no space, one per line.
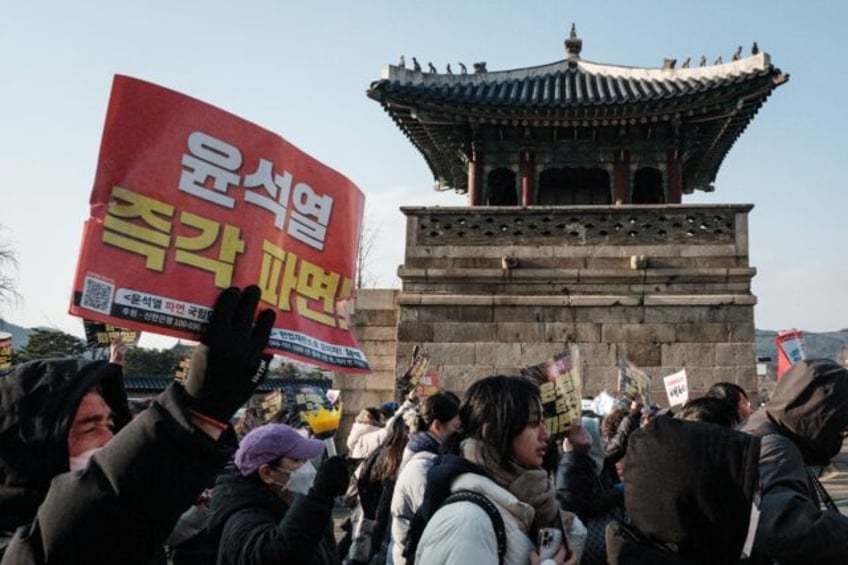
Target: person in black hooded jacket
(40,400)
(123,504)
(804,424)
(690,491)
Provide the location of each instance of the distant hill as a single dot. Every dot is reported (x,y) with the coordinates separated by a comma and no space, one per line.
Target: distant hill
(20,335)
(830,345)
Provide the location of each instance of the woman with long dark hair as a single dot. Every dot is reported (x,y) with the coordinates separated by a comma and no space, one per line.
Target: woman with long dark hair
(436,420)
(376,486)
(501,448)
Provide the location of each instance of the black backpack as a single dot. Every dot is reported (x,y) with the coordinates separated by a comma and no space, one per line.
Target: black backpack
(419,522)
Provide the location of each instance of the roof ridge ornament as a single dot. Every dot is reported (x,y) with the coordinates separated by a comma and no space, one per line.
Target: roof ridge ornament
(573,45)
(738,54)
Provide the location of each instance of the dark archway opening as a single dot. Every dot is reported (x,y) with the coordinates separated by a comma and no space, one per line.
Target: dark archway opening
(502,190)
(648,187)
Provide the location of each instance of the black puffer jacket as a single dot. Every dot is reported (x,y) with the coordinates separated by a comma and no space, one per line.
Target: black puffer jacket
(801,425)
(689,491)
(38,402)
(256,526)
(122,506)
(580,489)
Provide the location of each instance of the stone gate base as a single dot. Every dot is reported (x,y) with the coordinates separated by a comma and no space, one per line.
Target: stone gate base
(489,290)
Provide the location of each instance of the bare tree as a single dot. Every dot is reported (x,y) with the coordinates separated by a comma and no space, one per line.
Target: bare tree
(367,239)
(8,267)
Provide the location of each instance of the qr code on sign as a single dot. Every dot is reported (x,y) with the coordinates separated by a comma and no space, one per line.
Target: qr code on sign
(97,295)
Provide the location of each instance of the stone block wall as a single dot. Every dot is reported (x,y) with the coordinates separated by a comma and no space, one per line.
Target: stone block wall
(487,290)
(375,326)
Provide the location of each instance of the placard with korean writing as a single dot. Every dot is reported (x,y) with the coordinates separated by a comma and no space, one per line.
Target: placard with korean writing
(792,345)
(98,334)
(561,385)
(633,381)
(677,388)
(189,200)
(409,379)
(428,385)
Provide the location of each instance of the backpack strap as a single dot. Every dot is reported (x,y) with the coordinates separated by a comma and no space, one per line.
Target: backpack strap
(823,496)
(489,507)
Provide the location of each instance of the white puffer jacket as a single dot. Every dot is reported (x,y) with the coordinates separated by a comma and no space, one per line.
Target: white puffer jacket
(407,497)
(461,533)
(363,439)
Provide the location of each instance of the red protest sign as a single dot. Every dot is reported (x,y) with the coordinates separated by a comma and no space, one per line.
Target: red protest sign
(189,199)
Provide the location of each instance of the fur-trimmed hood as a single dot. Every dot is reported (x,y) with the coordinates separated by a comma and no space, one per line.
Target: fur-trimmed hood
(38,402)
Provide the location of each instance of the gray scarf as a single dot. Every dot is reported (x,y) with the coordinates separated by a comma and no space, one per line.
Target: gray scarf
(531,486)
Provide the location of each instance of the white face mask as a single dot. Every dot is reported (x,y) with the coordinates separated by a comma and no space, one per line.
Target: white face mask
(80,461)
(300,481)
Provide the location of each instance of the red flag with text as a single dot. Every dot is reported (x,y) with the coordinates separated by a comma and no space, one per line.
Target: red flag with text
(189,199)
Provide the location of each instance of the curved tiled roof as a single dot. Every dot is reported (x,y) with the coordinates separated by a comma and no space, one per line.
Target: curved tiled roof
(569,84)
(436,111)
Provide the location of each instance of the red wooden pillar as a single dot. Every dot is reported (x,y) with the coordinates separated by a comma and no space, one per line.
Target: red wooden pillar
(528,173)
(473,183)
(622,177)
(675,180)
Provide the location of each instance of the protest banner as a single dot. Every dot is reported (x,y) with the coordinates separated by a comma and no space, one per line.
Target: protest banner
(98,334)
(561,385)
(189,199)
(5,350)
(677,388)
(790,349)
(633,381)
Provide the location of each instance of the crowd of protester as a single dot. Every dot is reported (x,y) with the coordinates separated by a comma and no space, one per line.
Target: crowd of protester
(435,480)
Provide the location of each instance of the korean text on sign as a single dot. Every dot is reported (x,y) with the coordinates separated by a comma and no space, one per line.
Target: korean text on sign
(189,199)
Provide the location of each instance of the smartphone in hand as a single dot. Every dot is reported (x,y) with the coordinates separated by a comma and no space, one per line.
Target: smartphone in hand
(549,542)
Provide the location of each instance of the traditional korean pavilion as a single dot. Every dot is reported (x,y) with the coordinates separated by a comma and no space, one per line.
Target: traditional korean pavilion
(574,232)
(578,132)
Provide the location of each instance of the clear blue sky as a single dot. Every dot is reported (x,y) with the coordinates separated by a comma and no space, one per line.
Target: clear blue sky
(301,69)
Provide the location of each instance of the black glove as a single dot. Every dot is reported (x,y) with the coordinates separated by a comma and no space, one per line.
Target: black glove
(332,479)
(228,364)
